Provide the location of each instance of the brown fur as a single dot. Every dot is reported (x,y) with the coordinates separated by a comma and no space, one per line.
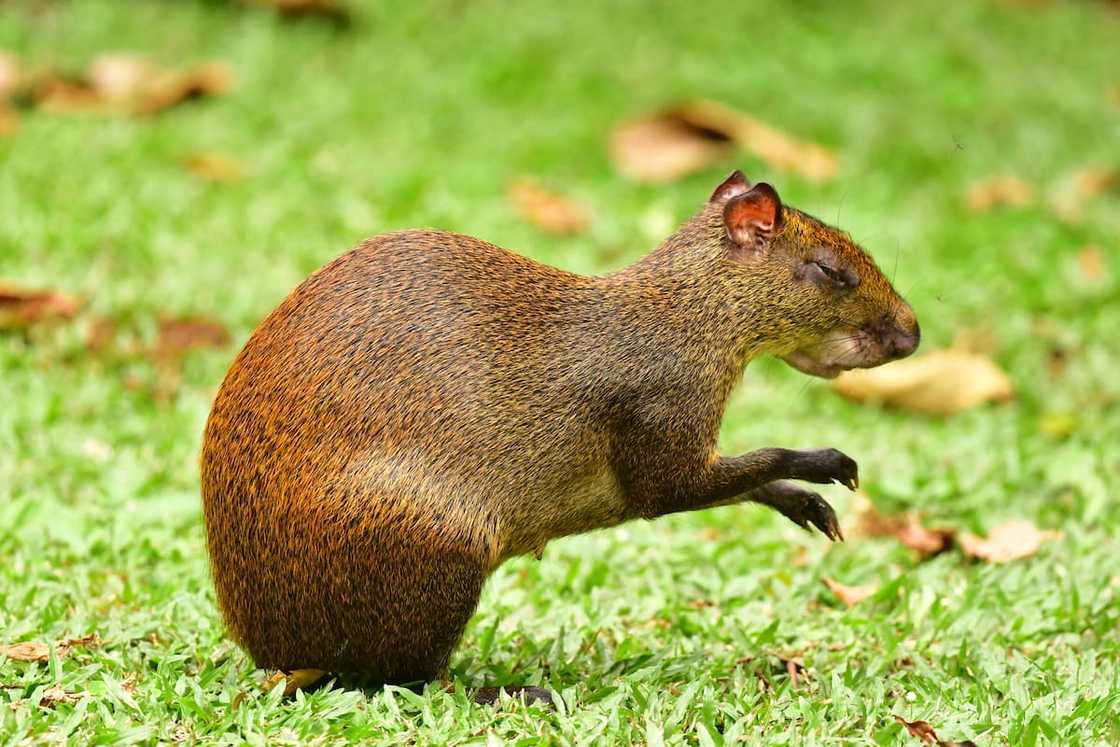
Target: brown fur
(428,405)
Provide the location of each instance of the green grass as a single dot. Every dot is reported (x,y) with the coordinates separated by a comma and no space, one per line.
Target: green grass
(666,632)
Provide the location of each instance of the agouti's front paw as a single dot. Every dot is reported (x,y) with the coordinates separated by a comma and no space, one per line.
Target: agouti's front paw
(803,507)
(816,511)
(828,465)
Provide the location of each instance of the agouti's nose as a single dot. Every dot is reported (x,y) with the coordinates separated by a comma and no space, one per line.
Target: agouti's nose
(902,342)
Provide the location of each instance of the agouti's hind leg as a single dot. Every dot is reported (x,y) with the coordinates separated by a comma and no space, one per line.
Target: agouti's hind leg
(801,506)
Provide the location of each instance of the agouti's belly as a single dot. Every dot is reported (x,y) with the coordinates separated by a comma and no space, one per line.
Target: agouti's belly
(589,500)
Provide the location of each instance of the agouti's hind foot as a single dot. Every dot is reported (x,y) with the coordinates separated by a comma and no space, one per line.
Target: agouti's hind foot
(803,507)
(530,695)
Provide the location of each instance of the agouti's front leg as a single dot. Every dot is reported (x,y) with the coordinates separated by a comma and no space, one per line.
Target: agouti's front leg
(732,479)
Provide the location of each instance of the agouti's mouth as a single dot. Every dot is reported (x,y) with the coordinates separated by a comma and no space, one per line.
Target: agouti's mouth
(865,347)
(806,364)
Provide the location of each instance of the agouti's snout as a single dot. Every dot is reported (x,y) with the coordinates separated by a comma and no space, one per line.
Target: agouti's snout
(899,334)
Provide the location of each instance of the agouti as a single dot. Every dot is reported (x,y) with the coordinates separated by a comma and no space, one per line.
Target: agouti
(429,405)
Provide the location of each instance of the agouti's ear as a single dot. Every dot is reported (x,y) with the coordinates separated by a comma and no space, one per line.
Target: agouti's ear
(734,185)
(752,219)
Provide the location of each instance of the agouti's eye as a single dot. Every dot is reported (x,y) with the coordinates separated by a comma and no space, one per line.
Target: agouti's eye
(827,276)
(832,273)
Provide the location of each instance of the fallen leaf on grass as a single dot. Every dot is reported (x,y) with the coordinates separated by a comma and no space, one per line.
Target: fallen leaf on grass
(9,82)
(850,595)
(129,84)
(39,651)
(907,529)
(922,539)
(944,382)
(700,133)
(920,729)
(923,731)
(1009,541)
(21,307)
(177,336)
(214,167)
(547,210)
(665,147)
(26,651)
(56,695)
(298,679)
(10,74)
(111,80)
(997,191)
(330,9)
(1083,184)
(865,519)
(171,88)
(119,77)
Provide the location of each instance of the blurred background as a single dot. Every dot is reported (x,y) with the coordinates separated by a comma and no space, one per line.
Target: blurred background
(170,170)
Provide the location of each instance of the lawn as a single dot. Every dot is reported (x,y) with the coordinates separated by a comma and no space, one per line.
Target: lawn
(705,629)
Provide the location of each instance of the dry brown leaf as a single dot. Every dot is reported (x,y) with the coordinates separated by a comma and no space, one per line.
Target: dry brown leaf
(26,651)
(663,147)
(171,88)
(67,94)
(922,539)
(119,77)
(39,651)
(20,307)
(214,167)
(997,191)
(10,74)
(865,519)
(56,695)
(850,595)
(908,529)
(177,336)
(330,9)
(1083,184)
(112,80)
(130,84)
(920,729)
(1009,541)
(944,382)
(547,210)
(780,151)
(700,133)
(87,640)
(299,679)
(923,731)
(1090,262)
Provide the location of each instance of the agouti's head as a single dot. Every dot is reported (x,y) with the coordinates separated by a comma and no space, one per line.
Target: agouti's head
(832,308)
